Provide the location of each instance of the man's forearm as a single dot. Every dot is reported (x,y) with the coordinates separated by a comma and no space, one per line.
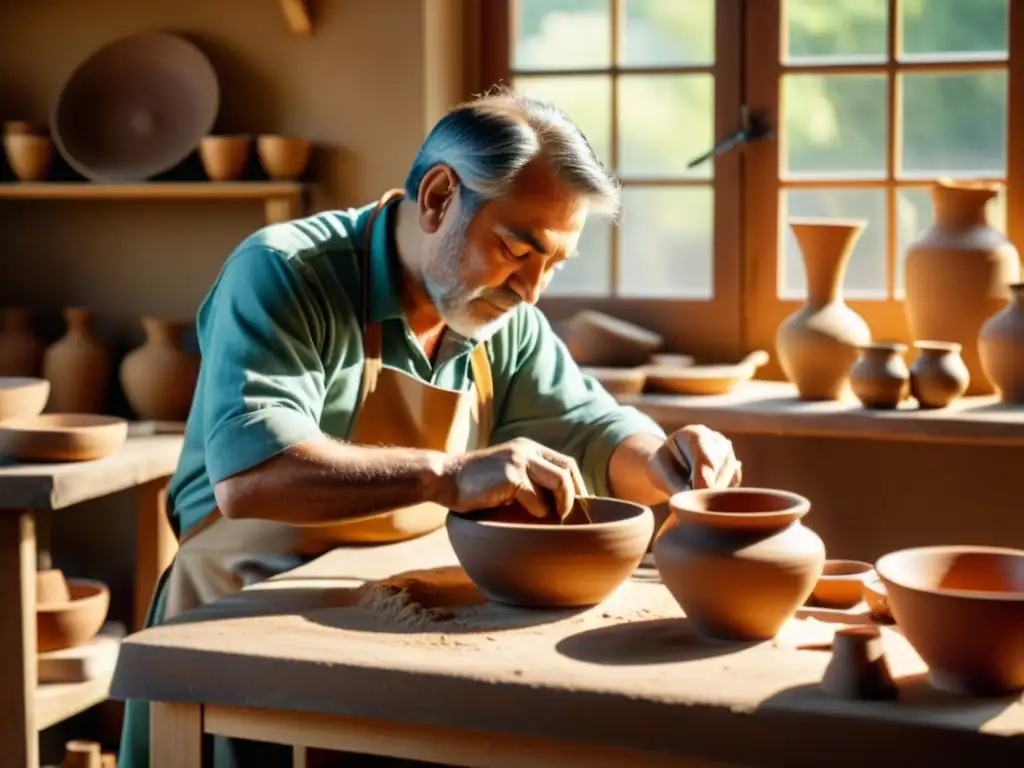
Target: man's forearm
(324,480)
(628,470)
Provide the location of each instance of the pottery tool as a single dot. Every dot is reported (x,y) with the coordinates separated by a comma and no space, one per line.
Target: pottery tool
(580,512)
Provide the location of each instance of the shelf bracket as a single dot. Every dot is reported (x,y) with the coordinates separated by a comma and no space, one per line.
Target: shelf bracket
(278,209)
(296,16)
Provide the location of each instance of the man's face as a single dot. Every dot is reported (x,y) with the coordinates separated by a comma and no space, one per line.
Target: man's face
(483,267)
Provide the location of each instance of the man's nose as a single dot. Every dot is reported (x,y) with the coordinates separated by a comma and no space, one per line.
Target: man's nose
(529,281)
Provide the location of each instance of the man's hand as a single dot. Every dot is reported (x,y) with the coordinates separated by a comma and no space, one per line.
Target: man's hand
(543,481)
(695,455)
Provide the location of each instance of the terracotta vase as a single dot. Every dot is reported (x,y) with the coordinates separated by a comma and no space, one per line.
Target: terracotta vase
(739,562)
(819,342)
(159,378)
(957,273)
(1001,346)
(880,377)
(21,351)
(78,367)
(938,376)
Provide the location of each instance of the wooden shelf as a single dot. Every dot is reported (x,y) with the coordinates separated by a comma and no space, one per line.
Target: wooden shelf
(56,702)
(296,16)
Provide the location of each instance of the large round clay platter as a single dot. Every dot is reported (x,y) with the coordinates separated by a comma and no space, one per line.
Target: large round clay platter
(62,437)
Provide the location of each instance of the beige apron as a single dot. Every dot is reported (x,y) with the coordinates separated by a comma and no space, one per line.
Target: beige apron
(220,556)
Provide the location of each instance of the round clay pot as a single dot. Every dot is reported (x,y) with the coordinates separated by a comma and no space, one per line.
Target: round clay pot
(880,377)
(78,367)
(957,273)
(962,609)
(739,562)
(841,584)
(28,155)
(51,587)
(938,375)
(22,396)
(516,559)
(819,343)
(21,351)
(1001,345)
(224,157)
(284,158)
(73,622)
(159,378)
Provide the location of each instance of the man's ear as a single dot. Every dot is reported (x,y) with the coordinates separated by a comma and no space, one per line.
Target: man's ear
(436,194)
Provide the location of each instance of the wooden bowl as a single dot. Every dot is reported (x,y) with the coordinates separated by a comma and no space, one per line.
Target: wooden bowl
(619,381)
(962,609)
(62,437)
(73,622)
(21,396)
(516,559)
(841,584)
(284,158)
(224,157)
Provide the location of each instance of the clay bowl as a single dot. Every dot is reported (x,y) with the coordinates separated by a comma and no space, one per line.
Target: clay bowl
(224,157)
(51,587)
(29,155)
(284,158)
(877,598)
(619,381)
(516,559)
(716,379)
(22,396)
(603,341)
(136,108)
(73,622)
(841,584)
(62,437)
(962,608)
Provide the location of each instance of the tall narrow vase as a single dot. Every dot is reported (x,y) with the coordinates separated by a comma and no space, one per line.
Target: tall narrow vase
(1001,344)
(958,272)
(78,367)
(159,378)
(818,344)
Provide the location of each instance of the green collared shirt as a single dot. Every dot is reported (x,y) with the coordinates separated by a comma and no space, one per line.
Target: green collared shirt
(282,360)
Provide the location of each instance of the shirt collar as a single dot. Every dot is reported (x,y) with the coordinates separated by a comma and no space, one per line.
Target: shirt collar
(385,270)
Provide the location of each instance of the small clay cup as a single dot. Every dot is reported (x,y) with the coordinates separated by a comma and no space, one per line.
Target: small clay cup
(73,622)
(841,584)
(516,559)
(858,669)
(224,157)
(880,378)
(29,155)
(939,375)
(284,158)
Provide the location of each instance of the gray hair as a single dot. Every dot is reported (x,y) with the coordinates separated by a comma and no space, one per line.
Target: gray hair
(488,140)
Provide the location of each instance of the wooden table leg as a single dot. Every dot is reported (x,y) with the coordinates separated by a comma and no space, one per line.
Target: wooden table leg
(18,736)
(155,544)
(175,735)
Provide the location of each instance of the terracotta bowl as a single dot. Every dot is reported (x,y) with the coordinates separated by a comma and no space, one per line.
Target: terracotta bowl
(962,608)
(73,622)
(516,559)
(284,158)
(841,584)
(136,108)
(62,437)
(22,396)
(224,157)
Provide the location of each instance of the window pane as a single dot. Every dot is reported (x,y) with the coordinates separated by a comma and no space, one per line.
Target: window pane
(665,121)
(840,30)
(663,33)
(834,125)
(954,124)
(586,99)
(666,242)
(866,272)
(937,28)
(562,34)
(591,273)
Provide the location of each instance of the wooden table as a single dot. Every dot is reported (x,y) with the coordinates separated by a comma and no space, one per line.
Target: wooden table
(28,492)
(298,661)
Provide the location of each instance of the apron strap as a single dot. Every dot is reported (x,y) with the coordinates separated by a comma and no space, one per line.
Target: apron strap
(480,365)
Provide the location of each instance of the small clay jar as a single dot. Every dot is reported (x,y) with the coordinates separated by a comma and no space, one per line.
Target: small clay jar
(880,378)
(224,157)
(159,378)
(284,158)
(21,351)
(28,155)
(939,375)
(1001,344)
(78,367)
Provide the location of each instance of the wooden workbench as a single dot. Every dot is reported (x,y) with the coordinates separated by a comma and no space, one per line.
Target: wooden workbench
(31,491)
(298,660)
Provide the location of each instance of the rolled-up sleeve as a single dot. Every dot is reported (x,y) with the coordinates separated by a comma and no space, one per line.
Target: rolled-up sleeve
(547,398)
(263,377)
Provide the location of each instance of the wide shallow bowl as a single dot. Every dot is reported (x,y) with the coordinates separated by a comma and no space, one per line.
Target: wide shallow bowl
(22,396)
(962,608)
(519,560)
(62,437)
(841,584)
(73,622)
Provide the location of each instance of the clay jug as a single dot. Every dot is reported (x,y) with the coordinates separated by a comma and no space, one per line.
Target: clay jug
(938,375)
(880,377)
(21,351)
(819,342)
(78,367)
(738,561)
(1001,345)
(159,378)
(957,273)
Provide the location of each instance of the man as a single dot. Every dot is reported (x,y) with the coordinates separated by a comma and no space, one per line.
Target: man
(365,371)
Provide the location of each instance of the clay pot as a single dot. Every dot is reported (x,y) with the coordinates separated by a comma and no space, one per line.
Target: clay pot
(1001,346)
(880,377)
(283,158)
(75,621)
(841,584)
(739,562)
(957,273)
(858,669)
(938,375)
(28,155)
(62,437)
(600,340)
(517,559)
(21,351)
(22,396)
(962,609)
(159,378)
(818,344)
(78,367)
(224,157)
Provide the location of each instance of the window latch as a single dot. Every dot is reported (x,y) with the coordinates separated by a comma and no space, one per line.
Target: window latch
(755,127)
